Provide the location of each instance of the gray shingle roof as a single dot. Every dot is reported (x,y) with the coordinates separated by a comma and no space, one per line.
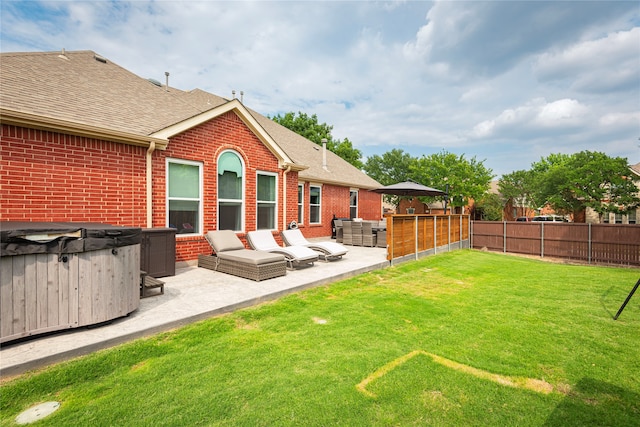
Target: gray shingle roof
(84,88)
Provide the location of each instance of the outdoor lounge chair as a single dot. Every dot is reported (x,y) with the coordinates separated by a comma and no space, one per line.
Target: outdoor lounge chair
(327,250)
(232,257)
(262,240)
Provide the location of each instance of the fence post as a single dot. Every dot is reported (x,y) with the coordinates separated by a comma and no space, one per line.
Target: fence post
(504,237)
(435,235)
(542,240)
(470,233)
(449,233)
(589,243)
(415,221)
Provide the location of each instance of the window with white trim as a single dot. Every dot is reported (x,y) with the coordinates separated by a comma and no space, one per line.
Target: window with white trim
(230,191)
(300,203)
(632,217)
(315,199)
(184,196)
(266,201)
(353,204)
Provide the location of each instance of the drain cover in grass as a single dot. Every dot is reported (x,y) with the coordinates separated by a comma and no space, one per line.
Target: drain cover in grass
(38,412)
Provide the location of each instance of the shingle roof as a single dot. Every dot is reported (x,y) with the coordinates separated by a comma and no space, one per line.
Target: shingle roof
(85,89)
(79,87)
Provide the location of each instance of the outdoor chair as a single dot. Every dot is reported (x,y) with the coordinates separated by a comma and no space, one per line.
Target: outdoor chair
(347,234)
(368,236)
(296,256)
(327,250)
(356,232)
(232,257)
(339,231)
(381,235)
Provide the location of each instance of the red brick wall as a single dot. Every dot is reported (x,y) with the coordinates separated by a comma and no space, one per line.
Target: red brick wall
(205,143)
(335,201)
(46,176)
(369,205)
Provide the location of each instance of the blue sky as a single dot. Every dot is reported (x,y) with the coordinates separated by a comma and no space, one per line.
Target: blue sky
(507,82)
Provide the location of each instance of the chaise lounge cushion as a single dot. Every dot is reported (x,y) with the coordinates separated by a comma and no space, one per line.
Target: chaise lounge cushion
(224,240)
(250,257)
(263,240)
(294,237)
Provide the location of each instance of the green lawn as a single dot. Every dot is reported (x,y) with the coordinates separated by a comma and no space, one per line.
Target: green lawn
(465,338)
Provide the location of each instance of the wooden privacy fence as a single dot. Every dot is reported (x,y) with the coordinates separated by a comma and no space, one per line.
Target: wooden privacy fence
(413,236)
(593,243)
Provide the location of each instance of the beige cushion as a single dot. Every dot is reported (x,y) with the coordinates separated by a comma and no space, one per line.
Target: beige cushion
(250,257)
(224,240)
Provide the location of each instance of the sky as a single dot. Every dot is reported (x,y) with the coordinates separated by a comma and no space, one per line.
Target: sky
(504,82)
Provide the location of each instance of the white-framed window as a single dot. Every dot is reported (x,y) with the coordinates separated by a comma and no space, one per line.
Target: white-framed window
(184,196)
(300,203)
(632,215)
(266,201)
(230,191)
(353,204)
(618,218)
(315,204)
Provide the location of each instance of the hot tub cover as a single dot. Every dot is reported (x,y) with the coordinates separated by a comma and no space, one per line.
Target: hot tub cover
(22,238)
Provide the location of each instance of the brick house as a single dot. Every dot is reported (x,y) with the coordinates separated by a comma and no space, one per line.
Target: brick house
(83,139)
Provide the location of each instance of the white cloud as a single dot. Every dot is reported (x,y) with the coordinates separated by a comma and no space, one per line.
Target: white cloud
(608,63)
(536,116)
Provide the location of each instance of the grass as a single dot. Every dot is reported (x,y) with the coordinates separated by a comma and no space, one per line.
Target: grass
(463,338)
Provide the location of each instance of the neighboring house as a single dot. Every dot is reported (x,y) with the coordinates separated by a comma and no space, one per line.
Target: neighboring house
(83,139)
(631,217)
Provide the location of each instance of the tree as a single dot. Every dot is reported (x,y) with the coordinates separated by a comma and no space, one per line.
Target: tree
(518,187)
(392,167)
(308,127)
(587,180)
(490,207)
(465,178)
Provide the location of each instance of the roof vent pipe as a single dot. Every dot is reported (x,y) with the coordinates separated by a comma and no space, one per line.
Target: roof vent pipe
(166,74)
(233,94)
(324,153)
(241,96)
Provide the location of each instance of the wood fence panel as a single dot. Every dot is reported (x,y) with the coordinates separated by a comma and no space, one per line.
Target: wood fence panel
(433,232)
(593,243)
(488,235)
(425,237)
(523,238)
(563,240)
(616,243)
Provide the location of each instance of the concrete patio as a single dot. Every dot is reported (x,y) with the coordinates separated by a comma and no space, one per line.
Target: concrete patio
(192,294)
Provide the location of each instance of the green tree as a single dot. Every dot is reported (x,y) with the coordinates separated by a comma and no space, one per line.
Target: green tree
(587,180)
(465,178)
(392,167)
(490,207)
(308,127)
(518,187)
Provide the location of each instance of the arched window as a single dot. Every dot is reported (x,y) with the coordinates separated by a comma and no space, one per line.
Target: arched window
(230,191)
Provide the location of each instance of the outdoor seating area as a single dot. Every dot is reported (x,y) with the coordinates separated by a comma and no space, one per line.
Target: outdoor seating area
(361,233)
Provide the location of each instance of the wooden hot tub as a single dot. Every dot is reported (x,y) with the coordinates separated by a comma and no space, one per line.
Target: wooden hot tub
(61,275)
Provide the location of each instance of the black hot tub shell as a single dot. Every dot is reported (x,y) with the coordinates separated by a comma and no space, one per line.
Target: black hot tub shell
(61,275)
